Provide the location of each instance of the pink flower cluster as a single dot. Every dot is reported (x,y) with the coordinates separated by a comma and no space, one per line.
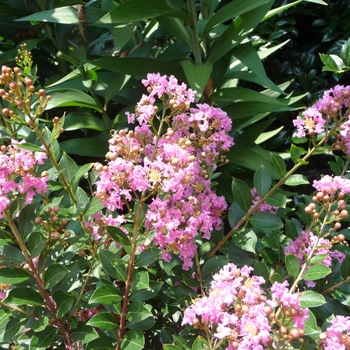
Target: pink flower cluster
(17,174)
(332,184)
(319,116)
(237,310)
(170,167)
(337,336)
(303,245)
(264,206)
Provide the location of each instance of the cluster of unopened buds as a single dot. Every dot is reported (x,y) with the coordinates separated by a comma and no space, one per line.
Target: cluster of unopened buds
(20,94)
(54,225)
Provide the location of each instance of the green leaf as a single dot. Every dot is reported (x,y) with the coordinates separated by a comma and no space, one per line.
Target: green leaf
(24,296)
(293,265)
(241,193)
(137,312)
(332,63)
(279,164)
(277,200)
(84,333)
(88,146)
(36,243)
(197,76)
(40,324)
(26,220)
(103,320)
(171,347)
(316,272)
(260,269)
(64,301)
(83,120)
(43,339)
(311,299)
(135,10)
(262,181)
(345,267)
(54,274)
(296,180)
(144,294)
(70,97)
(106,294)
(140,280)
(294,154)
(68,167)
(245,239)
(232,10)
(64,15)
(311,328)
(266,221)
(345,53)
(14,275)
(118,235)
(276,277)
(29,146)
(214,264)
(112,264)
(148,256)
(200,344)
(133,340)
(317,259)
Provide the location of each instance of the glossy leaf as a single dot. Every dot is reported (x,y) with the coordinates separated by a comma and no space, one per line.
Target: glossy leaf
(43,339)
(279,164)
(64,301)
(241,194)
(106,294)
(137,312)
(89,146)
(214,264)
(147,257)
(294,154)
(14,275)
(262,181)
(103,320)
(24,296)
(112,264)
(133,340)
(135,10)
(311,299)
(54,274)
(245,239)
(83,120)
(200,344)
(197,76)
(83,333)
(293,265)
(68,167)
(26,220)
(277,200)
(118,235)
(296,180)
(266,221)
(316,272)
(140,280)
(145,294)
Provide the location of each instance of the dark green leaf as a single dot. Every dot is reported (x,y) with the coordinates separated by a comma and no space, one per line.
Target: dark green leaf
(88,146)
(200,344)
(24,296)
(103,320)
(36,243)
(277,200)
(245,239)
(106,294)
(43,339)
(148,256)
(64,302)
(345,53)
(54,274)
(70,97)
(316,272)
(260,269)
(293,265)
(135,10)
(140,280)
(133,340)
(294,154)
(118,235)
(29,146)
(144,294)
(26,220)
(112,264)
(137,312)
(214,264)
(14,275)
(262,181)
(279,164)
(241,194)
(84,333)
(83,120)
(311,299)
(68,167)
(345,267)
(266,221)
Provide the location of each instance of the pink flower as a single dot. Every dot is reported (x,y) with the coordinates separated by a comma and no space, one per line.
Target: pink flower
(337,334)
